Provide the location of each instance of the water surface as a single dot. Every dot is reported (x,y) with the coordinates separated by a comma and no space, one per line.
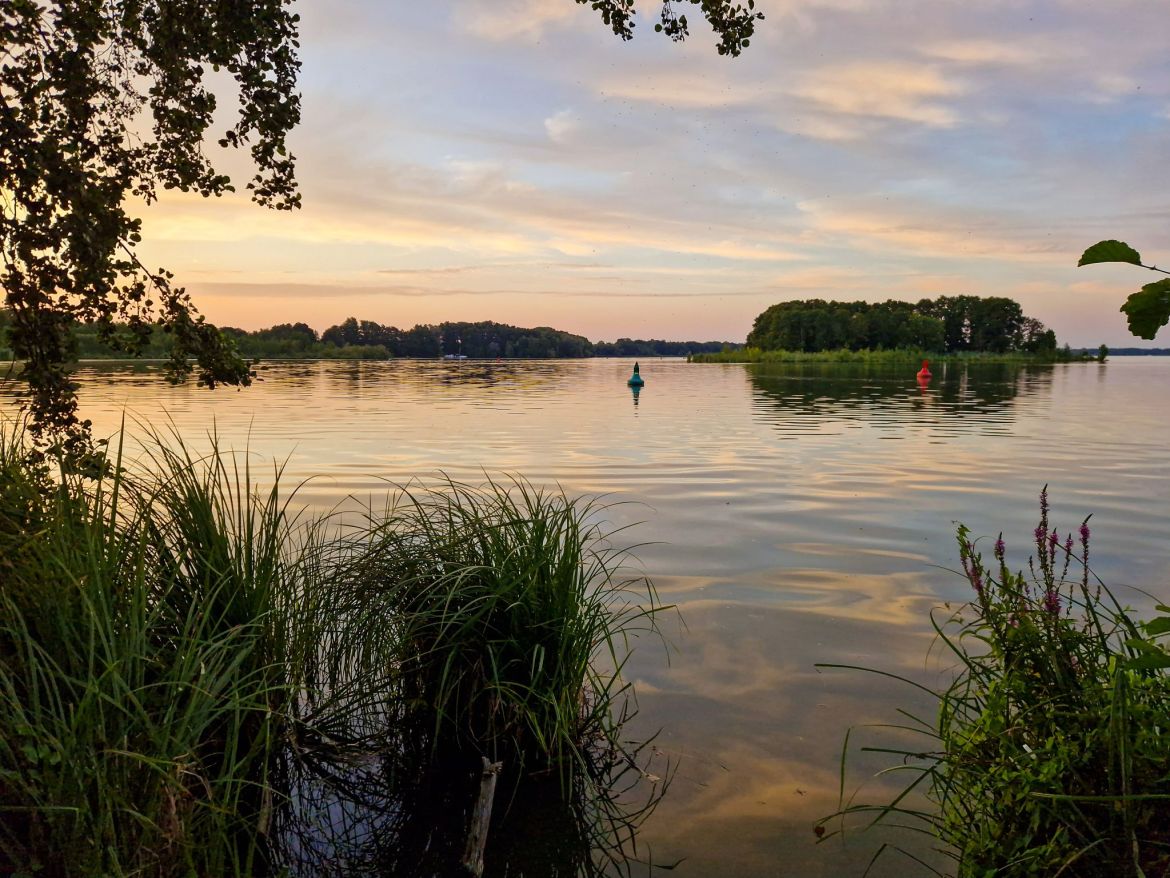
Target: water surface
(795,515)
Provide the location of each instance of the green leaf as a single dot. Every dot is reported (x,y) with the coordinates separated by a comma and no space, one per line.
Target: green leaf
(1149,309)
(1157,626)
(1110,251)
(1148,663)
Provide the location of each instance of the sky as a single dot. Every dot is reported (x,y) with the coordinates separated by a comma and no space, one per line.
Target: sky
(513,160)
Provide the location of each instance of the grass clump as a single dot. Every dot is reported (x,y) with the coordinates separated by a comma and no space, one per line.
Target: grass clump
(187,665)
(140,692)
(1048,755)
(512,616)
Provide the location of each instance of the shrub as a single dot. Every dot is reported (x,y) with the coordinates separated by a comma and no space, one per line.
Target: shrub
(1049,752)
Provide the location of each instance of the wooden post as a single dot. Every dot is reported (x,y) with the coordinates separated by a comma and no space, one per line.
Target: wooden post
(481,818)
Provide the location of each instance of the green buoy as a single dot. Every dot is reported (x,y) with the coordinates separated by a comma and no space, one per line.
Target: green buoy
(635,379)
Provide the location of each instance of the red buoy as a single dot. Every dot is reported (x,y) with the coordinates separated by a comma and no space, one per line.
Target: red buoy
(924,372)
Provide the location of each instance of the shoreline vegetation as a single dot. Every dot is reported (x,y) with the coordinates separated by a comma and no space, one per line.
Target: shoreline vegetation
(196,678)
(1046,753)
(903,356)
(355,339)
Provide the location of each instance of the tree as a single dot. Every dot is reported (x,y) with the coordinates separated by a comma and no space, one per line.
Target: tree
(107,101)
(733,22)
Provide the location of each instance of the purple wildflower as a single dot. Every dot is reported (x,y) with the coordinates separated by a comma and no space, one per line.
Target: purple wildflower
(1053,541)
(1044,503)
(999,548)
(1052,601)
(1085,534)
(1068,544)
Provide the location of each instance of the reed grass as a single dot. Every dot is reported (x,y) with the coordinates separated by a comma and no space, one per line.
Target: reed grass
(139,689)
(1048,754)
(509,615)
(179,645)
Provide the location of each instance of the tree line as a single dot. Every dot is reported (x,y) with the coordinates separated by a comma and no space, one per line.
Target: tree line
(369,340)
(950,324)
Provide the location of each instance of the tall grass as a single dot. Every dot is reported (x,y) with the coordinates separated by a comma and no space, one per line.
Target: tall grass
(140,693)
(513,614)
(1049,752)
(182,656)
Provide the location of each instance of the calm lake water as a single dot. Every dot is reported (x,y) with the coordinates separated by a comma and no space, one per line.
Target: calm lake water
(794,515)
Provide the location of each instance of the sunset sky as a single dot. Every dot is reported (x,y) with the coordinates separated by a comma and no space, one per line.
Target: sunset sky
(512,160)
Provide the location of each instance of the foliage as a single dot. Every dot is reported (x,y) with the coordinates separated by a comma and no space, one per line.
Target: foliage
(108,101)
(485,340)
(734,23)
(949,323)
(1048,755)
(1147,310)
(895,355)
(140,679)
(175,644)
(505,599)
(654,347)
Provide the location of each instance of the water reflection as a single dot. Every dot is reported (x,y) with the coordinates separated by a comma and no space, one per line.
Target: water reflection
(403,811)
(798,514)
(956,399)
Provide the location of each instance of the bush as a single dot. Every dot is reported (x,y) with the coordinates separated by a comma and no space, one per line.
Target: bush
(1050,745)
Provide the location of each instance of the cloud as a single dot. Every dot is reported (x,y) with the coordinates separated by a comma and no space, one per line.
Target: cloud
(507,20)
(299,290)
(687,89)
(561,125)
(988,52)
(932,235)
(889,90)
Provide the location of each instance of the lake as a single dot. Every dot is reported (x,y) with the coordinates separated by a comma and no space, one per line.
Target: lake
(793,514)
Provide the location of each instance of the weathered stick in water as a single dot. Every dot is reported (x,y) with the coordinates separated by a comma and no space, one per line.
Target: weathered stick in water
(481,818)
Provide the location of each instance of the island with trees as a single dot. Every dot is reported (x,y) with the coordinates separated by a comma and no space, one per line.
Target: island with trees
(949,325)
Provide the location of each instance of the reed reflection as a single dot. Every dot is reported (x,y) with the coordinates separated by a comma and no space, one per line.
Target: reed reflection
(403,810)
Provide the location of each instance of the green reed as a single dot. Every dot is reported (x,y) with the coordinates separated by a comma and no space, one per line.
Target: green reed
(509,616)
(140,685)
(1048,755)
(176,642)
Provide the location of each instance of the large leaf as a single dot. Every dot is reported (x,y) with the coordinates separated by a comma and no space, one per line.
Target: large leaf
(1158,625)
(1148,310)
(1110,251)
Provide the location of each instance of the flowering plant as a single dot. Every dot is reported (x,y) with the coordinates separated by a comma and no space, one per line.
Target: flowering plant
(1050,746)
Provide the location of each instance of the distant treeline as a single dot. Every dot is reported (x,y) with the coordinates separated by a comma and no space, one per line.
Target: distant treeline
(950,324)
(369,340)
(656,347)
(484,339)
(1138,352)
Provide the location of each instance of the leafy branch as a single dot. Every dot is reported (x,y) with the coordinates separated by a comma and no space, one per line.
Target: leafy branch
(1147,310)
